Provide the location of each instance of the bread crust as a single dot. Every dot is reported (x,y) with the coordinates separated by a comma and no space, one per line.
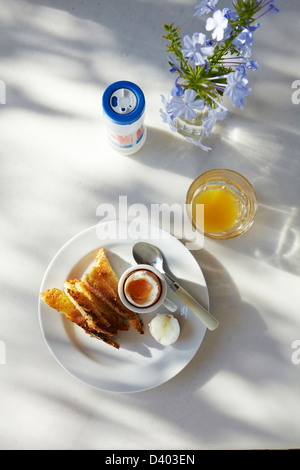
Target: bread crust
(59,301)
(93,303)
(102,281)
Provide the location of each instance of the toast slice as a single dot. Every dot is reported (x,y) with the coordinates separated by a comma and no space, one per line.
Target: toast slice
(96,312)
(59,301)
(102,281)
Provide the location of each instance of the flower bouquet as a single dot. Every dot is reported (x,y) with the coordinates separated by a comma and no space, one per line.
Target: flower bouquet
(208,68)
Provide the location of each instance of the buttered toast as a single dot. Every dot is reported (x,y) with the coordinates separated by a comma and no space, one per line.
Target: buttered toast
(93,302)
(59,301)
(94,310)
(102,280)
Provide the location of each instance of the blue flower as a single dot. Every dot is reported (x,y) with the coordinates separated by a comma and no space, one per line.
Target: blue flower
(187,104)
(206,6)
(237,87)
(197,48)
(230,14)
(253,27)
(251,64)
(166,114)
(273,9)
(244,42)
(218,23)
(177,89)
(214,115)
(218,65)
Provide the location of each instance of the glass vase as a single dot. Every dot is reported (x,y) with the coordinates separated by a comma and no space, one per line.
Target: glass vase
(191,128)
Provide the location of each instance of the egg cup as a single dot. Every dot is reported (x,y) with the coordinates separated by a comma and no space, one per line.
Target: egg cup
(162,300)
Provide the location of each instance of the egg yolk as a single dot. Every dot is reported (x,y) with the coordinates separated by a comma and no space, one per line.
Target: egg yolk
(139,290)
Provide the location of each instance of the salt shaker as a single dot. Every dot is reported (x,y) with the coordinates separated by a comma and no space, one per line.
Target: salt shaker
(124,111)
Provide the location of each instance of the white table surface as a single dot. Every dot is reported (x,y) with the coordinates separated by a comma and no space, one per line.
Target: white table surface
(241,390)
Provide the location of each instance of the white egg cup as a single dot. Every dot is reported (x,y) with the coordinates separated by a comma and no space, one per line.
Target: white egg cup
(162,300)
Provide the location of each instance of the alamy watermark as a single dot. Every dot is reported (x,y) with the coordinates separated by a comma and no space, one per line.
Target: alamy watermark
(296,353)
(296,94)
(137,221)
(2,92)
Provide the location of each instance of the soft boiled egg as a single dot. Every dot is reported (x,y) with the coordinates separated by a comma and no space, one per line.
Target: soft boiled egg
(142,288)
(164,328)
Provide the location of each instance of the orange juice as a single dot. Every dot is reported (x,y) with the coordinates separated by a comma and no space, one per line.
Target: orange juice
(221,208)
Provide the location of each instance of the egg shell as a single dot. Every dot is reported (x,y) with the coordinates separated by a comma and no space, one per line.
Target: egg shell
(164,328)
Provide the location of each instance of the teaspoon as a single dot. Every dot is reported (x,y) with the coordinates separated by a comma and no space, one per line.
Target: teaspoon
(145,253)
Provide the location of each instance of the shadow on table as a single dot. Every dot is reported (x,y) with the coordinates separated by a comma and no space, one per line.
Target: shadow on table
(121,22)
(181,403)
(258,154)
(236,317)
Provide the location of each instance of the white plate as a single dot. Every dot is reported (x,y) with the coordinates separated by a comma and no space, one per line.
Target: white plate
(140,363)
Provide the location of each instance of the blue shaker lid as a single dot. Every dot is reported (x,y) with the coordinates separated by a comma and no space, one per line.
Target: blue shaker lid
(123,102)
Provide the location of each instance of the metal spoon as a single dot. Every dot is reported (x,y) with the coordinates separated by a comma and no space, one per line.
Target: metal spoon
(145,253)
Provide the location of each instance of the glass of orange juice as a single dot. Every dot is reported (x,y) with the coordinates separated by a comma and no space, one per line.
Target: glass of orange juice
(221,203)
